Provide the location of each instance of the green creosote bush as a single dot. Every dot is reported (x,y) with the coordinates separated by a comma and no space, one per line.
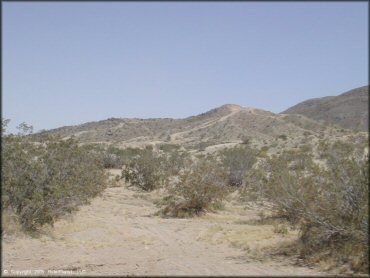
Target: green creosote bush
(280,229)
(175,161)
(113,157)
(283,137)
(110,159)
(254,187)
(246,140)
(146,170)
(203,145)
(329,204)
(43,181)
(169,147)
(237,161)
(201,187)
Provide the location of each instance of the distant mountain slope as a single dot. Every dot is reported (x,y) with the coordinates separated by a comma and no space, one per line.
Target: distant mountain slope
(349,110)
(228,124)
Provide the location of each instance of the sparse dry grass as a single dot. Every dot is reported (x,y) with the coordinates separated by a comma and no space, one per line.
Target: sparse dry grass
(253,239)
(10,223)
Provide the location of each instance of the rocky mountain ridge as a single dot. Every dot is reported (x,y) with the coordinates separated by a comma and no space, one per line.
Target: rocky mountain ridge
(348,110)
(229,124)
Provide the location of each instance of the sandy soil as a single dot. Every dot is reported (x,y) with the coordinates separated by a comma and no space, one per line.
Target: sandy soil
(118,234)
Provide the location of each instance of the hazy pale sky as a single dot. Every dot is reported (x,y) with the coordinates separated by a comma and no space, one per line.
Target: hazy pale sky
(70,63)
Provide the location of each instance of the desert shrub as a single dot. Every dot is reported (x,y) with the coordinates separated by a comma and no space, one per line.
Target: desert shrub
(148,147)
(263,152)
(246,140)
(200,187)
(169,147)
(299,159)
(204,144)
(291,192)
(237,161)
(306,148)
(254,188)
(338,150)
(129,153)
(284,180)
(280,229)
(24,129)
(4,124)
(338,218)
(113,157)
(274,145)
(175,161)
(283,137)
(330,205)
(145,170)
(111,161)
(322,148)
(43,181)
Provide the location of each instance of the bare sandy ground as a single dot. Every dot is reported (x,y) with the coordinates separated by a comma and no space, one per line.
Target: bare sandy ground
(118,234)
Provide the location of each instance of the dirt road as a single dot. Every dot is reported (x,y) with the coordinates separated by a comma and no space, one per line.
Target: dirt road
(117,234)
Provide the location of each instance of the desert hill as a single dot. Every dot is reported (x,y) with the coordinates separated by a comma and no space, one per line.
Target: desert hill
(348,110)
(227,125)
(230,124)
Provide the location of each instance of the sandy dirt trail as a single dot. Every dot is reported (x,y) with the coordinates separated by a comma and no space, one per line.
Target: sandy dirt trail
(118,234)
(175,136)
